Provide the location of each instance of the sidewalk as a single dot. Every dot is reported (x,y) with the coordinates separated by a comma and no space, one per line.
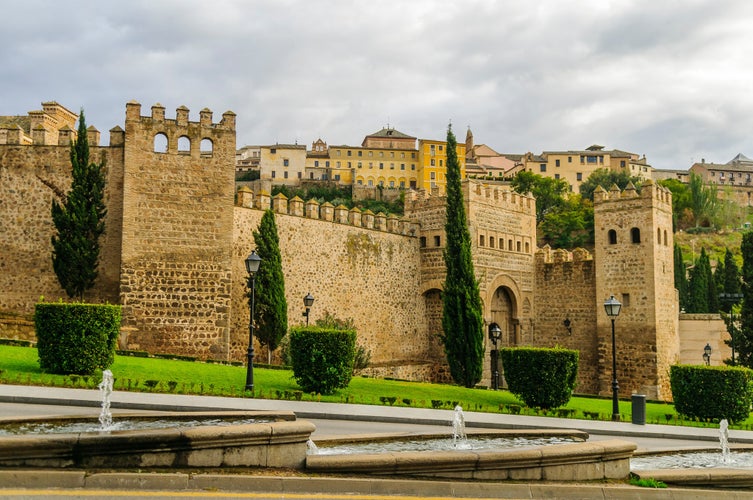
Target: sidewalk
(359,412)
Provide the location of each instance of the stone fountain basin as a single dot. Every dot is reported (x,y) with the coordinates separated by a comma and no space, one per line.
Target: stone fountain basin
(563,462)
(278,440)
(719,476)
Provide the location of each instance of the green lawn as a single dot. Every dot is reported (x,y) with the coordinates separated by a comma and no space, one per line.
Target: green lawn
(19,365)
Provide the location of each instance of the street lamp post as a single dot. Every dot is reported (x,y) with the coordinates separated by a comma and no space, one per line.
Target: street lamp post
(707,354)
(308,301)
(494,335)
(612,307)
(252,267)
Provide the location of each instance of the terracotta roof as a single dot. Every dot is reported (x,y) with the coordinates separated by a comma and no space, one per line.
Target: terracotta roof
(391,132)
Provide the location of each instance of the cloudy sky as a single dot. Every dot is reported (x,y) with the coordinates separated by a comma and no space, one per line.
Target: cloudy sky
(669,79)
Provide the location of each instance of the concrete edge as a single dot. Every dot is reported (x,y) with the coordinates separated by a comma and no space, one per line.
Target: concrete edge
(170,481)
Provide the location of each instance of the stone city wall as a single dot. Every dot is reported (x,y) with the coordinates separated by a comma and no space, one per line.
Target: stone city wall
(367,274)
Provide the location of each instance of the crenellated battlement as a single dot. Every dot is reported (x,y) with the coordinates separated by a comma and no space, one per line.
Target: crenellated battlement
(546,255)
(495,196)
(340,214)
(652,193)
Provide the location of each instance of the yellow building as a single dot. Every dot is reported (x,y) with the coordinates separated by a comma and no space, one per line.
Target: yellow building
(574,167)
(386,158)
(432,159)
(282,163)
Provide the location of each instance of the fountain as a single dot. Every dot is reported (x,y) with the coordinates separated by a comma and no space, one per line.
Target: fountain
(214,439)
(458,425)
(699,468)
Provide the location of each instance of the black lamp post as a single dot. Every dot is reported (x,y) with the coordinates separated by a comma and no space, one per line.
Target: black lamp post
(252,267)
(494,335)
(612,307)
(308,301)
(707,354)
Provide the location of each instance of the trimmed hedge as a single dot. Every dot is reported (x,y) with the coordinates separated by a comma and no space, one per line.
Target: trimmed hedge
(76,338)
(540,377)
(712,392)
(322,358)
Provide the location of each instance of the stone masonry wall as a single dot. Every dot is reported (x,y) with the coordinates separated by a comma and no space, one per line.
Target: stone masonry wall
(177,232)
(353,272)
(566,289)
(29,177)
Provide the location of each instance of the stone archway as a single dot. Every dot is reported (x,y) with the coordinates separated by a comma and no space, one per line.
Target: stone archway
(503,312)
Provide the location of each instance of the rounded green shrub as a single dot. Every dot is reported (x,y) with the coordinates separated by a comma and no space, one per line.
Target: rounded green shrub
(712,392)
(76,338)
(322,358)
(540,377)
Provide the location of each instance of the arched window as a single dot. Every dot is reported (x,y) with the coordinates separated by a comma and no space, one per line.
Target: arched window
(160,143)
(509,245)
(635,235)
(665,237)
(206,146)
(612,237)
(517,243)
(658,236)
(528,247)
(184,144)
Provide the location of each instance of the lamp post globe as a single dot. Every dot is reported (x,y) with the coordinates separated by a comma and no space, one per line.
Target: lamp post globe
(308,301)
(612,307)
(252,263)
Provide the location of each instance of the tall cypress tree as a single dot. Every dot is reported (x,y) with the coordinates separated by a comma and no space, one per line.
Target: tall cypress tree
(271,305)
(730,280)
(462,319)
(698,285)
(744,339)
(681,278)
(79,221)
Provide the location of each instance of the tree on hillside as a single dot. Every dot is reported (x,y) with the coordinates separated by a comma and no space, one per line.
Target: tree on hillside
(681,206)
(569,225)
(744,340)
(79,221)
(462,319)
(681,278)
(549,192)
(727,278)
(702,200)
(605,178)
(271,305)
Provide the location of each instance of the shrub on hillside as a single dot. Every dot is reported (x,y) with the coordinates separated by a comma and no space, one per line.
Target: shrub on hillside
(322,358)
(76,338)
(712,392)
(540,377)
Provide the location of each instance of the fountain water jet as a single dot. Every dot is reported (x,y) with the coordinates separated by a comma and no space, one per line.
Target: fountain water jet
(105,416)
(458,426)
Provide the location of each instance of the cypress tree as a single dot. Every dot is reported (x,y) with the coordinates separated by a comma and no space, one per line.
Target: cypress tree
(681,278)
(698,285)
(730,280)
(462,321)
(744,339)
(271,305)
(79,221)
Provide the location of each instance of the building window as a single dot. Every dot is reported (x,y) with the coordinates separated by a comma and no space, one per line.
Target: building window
(517,245)
(622,163)
(509,245)
(528,247)
(160,143)
(392,184)
(337,152)
(440,147)
(359,164)
(273,151)
(337,177)
(556,176)
(432,175)
(440,163)
(556,163)
(569,159)
(432,162)
(413,166)
(360,153)
(437,241)
(402,155)
(300,175)
(582,159)
(316,163)
(381,166)
(491,241)
(350,152)
(592,159)
(481,240)
(579,176)
(635,235)
(337,164)
(274,174)
(285,174)
(413,155)
(402,166)
(285,162)
(392,166)
(422,241)
(371,153)
(371,183)
(625,299)
(402,184)
(612,235)
(392,154)
(542,167)
(431,150)
(350,164)
(326,163)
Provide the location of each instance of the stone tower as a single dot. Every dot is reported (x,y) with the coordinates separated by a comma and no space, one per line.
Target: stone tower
(633,258)
(178,191)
